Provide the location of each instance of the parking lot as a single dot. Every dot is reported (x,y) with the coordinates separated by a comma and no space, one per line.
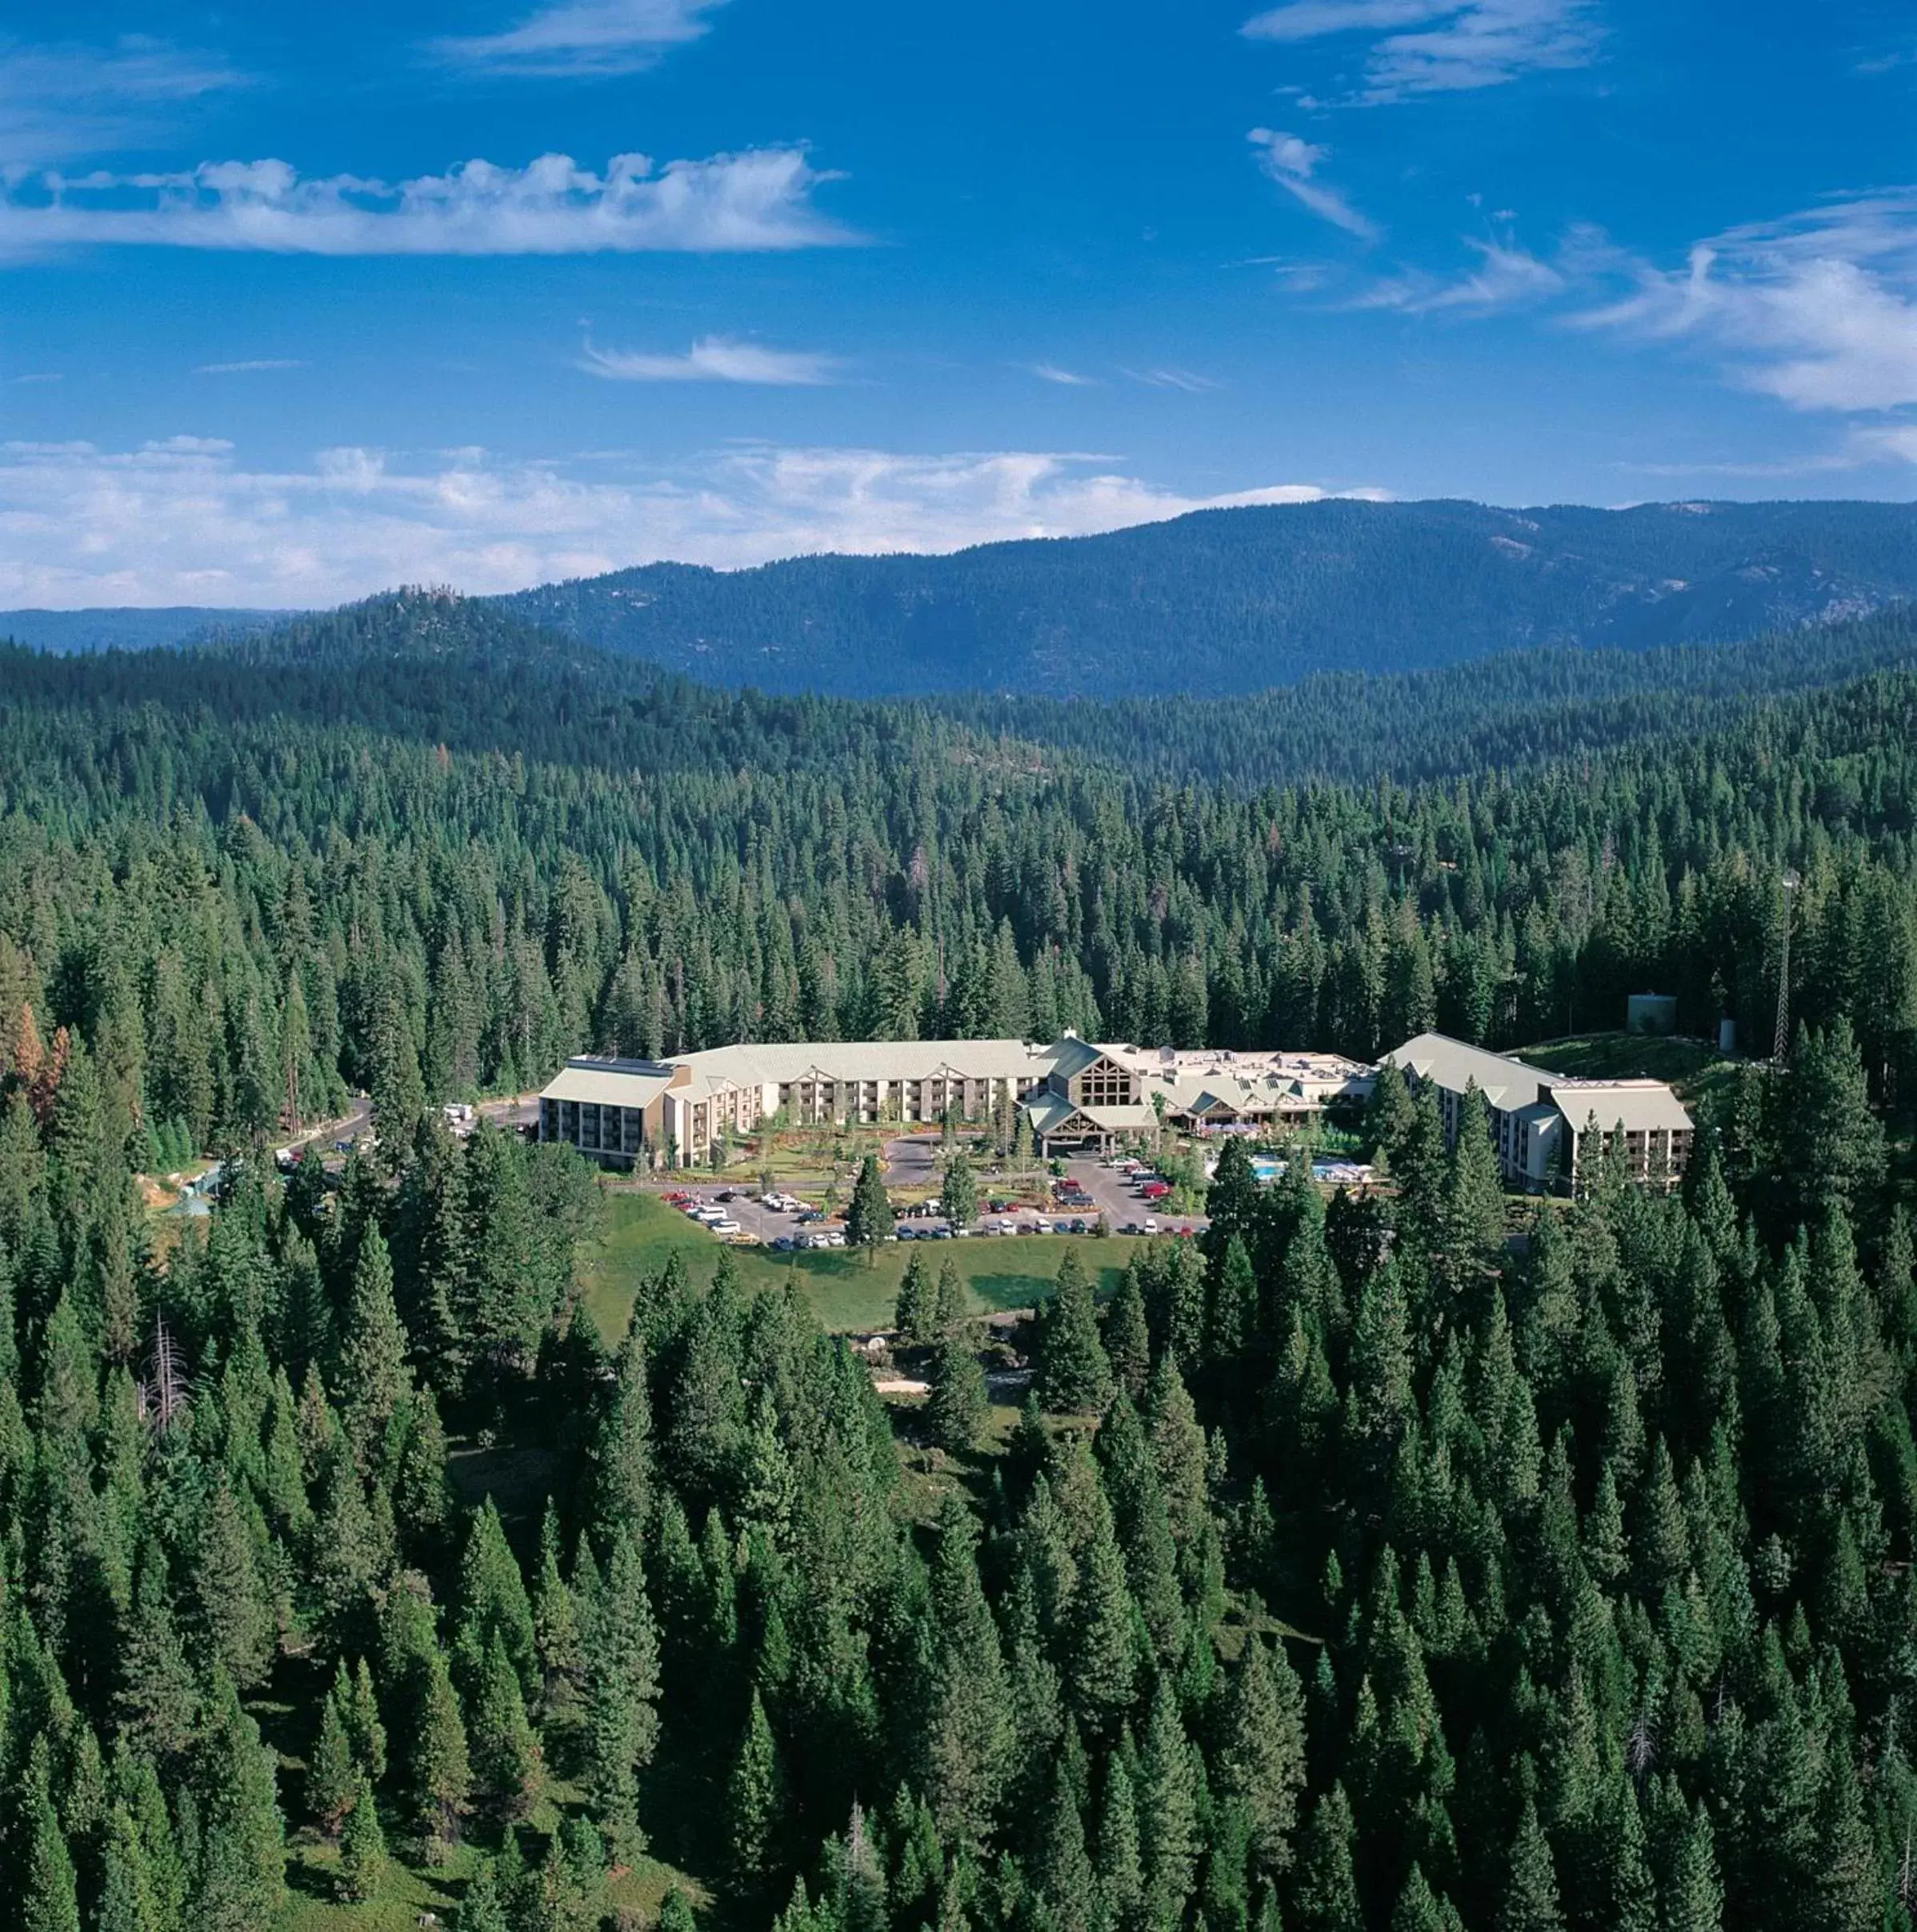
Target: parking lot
(912,1167)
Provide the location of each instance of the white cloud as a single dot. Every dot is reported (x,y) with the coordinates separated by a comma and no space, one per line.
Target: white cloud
(1066,378)
(1292,163)
(250,366)
(1188,380)
(759,199)
(1895,440)
(183,521)
(1819,309)
(59,103)
(584,38)
(1505,276)
(1443,46)
(715,358)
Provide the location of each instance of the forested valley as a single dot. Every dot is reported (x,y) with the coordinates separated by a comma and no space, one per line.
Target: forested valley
(1357,1567)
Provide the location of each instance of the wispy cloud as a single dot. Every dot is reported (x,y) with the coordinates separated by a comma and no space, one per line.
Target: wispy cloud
(57,102)
(716,359)
(1819,310)
(1066,378)
(583,38)
(1442,47)
(758,200)
(184,521)
(250,366)
(1890,61)
(1292,163)
(1188,380)
(1505,276)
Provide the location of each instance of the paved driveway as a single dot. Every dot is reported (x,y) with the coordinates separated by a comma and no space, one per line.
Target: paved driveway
(1112,1196)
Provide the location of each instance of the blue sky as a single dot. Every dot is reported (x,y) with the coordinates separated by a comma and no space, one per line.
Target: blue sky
(294,308)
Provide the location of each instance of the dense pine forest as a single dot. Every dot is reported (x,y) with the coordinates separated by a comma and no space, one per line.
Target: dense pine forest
(1359,1567)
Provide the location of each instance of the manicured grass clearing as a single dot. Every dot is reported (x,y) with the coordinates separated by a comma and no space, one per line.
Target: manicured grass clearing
(1689,1066)
(1001,1270)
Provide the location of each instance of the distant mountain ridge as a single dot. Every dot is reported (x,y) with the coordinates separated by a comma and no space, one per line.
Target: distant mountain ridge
(1231,601)
(133,628)
(1217,604)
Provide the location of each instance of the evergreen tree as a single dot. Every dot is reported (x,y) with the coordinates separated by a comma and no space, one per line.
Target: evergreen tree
(1530,1903)
(1167,1807)
(959,1192)
(1102,1658)
(913,1313)
(869,1217)
(1692,1898)
(623,1445)
(373,1379)
(230,1598)
(363,1725)
(50,1901)
(621,1689)
(1127,1339)
(1073,1374)
(1473,1195)
(959,1406)
(362,1846)
(754,1802)
(332,1772)
(966,1738)
(949,1298)
(157,1702)
(129,1900)
(1326,1890)
(508,1765)
(239,1876)
(482,1909)
(1421,1909)
(1261,1764)
(437,1768)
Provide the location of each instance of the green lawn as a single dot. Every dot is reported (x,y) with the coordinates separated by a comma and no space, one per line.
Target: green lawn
(1000,1271)
(1691,1067)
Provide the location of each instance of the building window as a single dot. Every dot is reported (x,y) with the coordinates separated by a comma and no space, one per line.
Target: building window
(1105,1086)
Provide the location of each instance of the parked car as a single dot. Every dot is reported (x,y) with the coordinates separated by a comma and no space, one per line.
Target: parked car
(783,1244)
(1151,1227)
(726,1226)
(908,1234)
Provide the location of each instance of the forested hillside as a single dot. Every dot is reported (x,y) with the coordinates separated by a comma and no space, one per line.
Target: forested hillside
(1358,1569)
(1505,713)
(422,836)
(1233,601)
(1238,600)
